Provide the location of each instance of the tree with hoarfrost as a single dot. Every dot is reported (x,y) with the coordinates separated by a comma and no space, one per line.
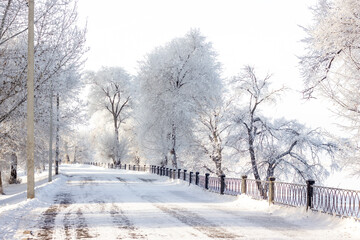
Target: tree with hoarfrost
(331,66)
(173,79)
(59,46)
(110,91)
(275,147)
(211,125)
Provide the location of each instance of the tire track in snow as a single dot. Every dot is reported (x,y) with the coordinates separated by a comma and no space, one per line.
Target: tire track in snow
(124,223)
(183,215)
(70,215)
(193,220)
(271,223)
(62,200)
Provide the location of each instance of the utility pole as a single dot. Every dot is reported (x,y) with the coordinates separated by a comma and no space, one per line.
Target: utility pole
(51,131)
(30,143)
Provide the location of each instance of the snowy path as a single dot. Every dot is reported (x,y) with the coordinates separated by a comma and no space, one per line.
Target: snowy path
(88,202)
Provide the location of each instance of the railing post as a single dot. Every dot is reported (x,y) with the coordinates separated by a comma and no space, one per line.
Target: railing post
(197,178)
(185,174)
(222,184)
(179,173)
(158,170)
(167,172)
(207,180)
(309,184)
(271,190)
(125,166)
(190,177)
(243,184)
(145,168)
(170,173)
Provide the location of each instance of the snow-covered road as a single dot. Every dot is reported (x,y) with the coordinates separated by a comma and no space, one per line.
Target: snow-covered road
(88,202)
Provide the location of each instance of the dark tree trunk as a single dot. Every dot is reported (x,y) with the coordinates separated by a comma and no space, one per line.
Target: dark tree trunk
(216,156)
(67,158)
(217,162)
(270,170)
(173,149)
(165,162)
(1,185)
(13,169)
(254,165)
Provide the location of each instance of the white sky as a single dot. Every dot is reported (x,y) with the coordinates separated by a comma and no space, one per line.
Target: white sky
(262,33)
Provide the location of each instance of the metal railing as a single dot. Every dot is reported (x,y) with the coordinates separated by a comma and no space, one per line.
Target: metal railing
(257,189)
(202,180)
(214,184)
(340,202)
(232,186)
(290,194)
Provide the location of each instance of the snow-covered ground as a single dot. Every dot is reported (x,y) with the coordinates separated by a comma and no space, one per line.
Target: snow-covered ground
(88,202)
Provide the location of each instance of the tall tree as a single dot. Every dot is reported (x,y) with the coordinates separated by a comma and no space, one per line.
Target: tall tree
(173,78)
(212,122)
(110,91)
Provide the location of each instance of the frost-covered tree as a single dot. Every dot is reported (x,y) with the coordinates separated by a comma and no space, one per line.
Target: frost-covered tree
(173,79)
(212,122)
(331,66)
(111,92)
(275,148)
(59,46)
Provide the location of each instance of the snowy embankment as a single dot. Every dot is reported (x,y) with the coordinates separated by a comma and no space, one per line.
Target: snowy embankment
(92,202)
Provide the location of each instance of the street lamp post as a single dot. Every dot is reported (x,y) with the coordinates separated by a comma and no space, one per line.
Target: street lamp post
(30,105)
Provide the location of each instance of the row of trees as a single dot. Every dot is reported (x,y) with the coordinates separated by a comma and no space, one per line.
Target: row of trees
(59,46)
(179,112)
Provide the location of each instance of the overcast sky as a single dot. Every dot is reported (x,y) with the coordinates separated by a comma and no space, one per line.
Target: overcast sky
(262,33)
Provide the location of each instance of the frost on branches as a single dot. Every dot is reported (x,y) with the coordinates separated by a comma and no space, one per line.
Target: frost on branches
(331,66)
(59,46)
(281,148)
(110,93)
(174,80)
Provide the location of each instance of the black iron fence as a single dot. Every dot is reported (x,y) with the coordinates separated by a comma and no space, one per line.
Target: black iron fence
(335,201)
(340,202)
